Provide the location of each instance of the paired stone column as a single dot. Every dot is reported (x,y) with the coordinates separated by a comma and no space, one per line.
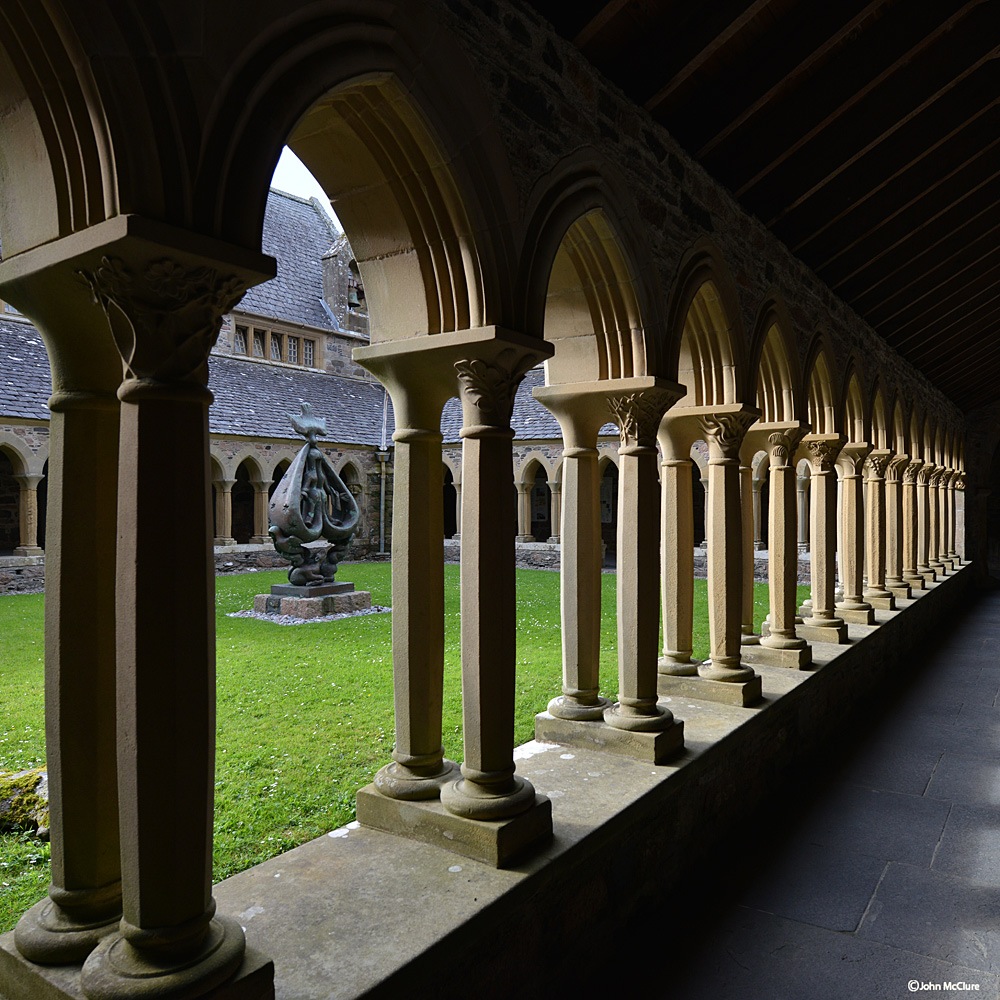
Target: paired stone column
(911,526)
(458,509)
(758,517)
(260,518)
(524,513)
(924,473)
(822,625)
(164,301)
(945,553)
(780,645)
(934,521)
(876,540)
(750,511)
(489,788)
(895,527)
(555,488)
(224,511)
(638,414)
(27,512)
(581,411)
(850,463)
(802,507)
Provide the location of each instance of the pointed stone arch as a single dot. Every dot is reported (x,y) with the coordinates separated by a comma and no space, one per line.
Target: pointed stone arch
(854,413)
(881,423)
(773,357)
(822,389)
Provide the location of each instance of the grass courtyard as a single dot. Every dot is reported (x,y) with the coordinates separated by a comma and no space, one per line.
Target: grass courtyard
(305,713)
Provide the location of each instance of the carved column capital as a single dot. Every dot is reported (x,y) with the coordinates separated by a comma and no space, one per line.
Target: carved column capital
(896,468)
(487,388)
(823,452)
(912,472)
(877,463)
(724,433)
(960,482)
(638,414)
(781,446)
(164,315)
(852,458)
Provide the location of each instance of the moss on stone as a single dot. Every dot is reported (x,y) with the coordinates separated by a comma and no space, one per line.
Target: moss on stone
(24,801)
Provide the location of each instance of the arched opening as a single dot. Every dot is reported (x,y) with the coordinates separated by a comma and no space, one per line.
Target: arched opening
(706,366)
(775,383)
(42,502)
(450,504)
(351,478)
(854,412)
(822,409)
(699,490)
(279,472)
(243,492)
(541,506)
(10,492)
(761,468)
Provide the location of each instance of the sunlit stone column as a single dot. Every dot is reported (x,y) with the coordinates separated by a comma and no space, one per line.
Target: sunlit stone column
(822,625)
(724,433)
(853,607)
(488,788)
(164,307)
(524,513)
(704,489)
(924,568)
(802,507)
(555,490)
(961,542)
(944,508)
(458,509)
(781,646)
(260,518)
(676,552)
(876,532)
(894,521)
(638,414)
(750,530)
(934,521)
(758,516)
(224,511)
(27,513)
(911,526)
(581,411)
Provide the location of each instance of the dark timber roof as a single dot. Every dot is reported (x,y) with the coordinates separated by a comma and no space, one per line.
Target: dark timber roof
(864,133)
(297,233)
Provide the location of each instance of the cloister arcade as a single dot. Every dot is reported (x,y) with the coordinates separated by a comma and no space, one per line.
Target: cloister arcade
(488,244)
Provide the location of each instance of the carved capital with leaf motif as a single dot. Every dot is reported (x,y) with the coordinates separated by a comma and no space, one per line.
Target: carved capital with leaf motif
(781,446)
(823,452)
(487,388)
(724,433)
(896,468)
(638,415)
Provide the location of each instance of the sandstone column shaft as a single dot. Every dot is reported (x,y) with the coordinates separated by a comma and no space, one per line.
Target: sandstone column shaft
(555,490)
(851,462)
(802,497)
(224,511)
(875,535)
(524,513)
(677,564)
(260,518)
(923,520)
(750,531)
(895,523)
(27,515)
(823,527)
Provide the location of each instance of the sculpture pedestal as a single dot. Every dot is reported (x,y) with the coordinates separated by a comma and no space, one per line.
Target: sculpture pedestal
(312,602)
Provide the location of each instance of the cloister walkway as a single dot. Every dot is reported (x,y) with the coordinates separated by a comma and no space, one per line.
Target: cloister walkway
(880,869)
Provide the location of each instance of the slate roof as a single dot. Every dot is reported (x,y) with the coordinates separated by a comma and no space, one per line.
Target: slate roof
(254,399)
(25,379)
(531,421)
(297,233)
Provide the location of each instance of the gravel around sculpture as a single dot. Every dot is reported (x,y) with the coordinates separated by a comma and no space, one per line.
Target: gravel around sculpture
(311,503)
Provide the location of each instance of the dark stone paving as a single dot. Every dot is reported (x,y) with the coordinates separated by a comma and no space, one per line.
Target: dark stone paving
(876,878)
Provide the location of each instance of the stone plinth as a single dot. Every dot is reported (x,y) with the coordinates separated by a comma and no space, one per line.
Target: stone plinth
(742,693)
(857,616)
(823,633)
(322,590)
(772,656)
(655,748)
(494,842)
(315,606)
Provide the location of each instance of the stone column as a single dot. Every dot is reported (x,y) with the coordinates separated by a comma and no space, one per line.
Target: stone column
(27,512)
(822,625)
(704,489)
(944,509)
(676,554)
(724,434)
(580,410)
(638,415)
(911,526)
(556,491)
(164,306)
(876,593)
(224,511)
(802,497)
(895,530)
(458,509)
(750,529)
(781,646)
(260,518)
(758,516)
(853,607)
(961,543)
(924,568)
(934,521)
(524,513)
(84,898)
(488,788)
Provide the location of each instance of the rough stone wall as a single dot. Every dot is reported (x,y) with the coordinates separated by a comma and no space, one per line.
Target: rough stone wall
(549,102)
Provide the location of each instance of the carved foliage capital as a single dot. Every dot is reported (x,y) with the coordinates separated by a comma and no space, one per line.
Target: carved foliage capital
(164,316)
(912,472)
(781,446)
(852,458)
(896,468)
(877,463)
(489,387)
(638,415)
(823,453)
(724,432)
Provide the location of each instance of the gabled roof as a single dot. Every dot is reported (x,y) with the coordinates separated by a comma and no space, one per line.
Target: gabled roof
(297,233)
(25,382)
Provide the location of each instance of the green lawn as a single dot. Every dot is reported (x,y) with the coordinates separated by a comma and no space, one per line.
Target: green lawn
(305,713)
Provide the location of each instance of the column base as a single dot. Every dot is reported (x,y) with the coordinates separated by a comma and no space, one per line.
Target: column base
(882,603)
(823,633)
(29,550)
(749,639)
(254,980)
(742,693)
(901,591)
(396,781)
(47,935)
(915,582)
(116,970)
(654,748)
(670,666)
(928,575)
(770,656)
(857,616)
(493,842)
(567,707)
(261,540)
(221,542)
